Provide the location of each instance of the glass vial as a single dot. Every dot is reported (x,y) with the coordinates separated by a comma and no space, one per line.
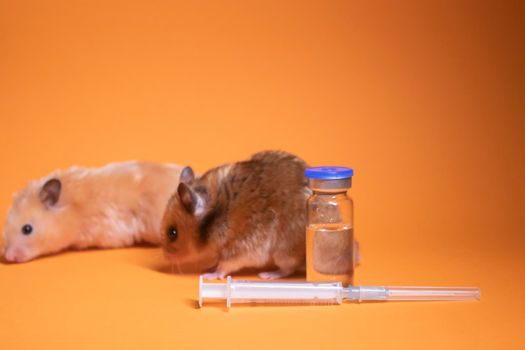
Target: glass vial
(330,230)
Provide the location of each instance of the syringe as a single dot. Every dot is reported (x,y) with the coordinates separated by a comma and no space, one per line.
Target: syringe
(268,292)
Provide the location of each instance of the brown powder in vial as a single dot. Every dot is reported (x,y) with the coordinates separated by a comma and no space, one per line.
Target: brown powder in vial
(330,253)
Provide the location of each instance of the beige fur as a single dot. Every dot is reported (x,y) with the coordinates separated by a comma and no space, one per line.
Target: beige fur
(114,206)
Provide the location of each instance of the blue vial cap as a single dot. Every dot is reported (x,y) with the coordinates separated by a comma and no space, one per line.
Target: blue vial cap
(329,172)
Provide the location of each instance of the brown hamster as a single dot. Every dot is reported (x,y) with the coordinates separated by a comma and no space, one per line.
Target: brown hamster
(114,206)
(250,214)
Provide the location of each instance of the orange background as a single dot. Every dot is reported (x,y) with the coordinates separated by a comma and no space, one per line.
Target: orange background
(424,99)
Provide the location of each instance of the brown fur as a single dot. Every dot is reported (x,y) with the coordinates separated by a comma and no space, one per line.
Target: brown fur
(250,214)
(114,206)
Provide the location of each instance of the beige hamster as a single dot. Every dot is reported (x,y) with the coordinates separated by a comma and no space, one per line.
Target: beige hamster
(250,214)
(113,206)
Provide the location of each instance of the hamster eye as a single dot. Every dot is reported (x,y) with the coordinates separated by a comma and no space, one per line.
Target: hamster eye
(172,233)
(27,229)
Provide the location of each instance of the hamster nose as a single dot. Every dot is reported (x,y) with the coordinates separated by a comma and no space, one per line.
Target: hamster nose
(15,255)
(8,254)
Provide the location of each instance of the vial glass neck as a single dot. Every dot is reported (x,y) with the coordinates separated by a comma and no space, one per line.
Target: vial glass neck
(330,186)
(338,192)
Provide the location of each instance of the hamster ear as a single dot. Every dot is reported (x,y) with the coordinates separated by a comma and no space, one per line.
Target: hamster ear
(50,192)
(193,202)
(187,175)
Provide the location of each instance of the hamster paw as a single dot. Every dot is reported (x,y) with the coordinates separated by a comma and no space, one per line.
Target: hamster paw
(216,275)
(271,275)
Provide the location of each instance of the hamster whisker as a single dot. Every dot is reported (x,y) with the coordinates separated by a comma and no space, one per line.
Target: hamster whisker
(179,271)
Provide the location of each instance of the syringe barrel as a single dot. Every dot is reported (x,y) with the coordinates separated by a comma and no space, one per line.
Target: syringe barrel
(412,293)
(272,292)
